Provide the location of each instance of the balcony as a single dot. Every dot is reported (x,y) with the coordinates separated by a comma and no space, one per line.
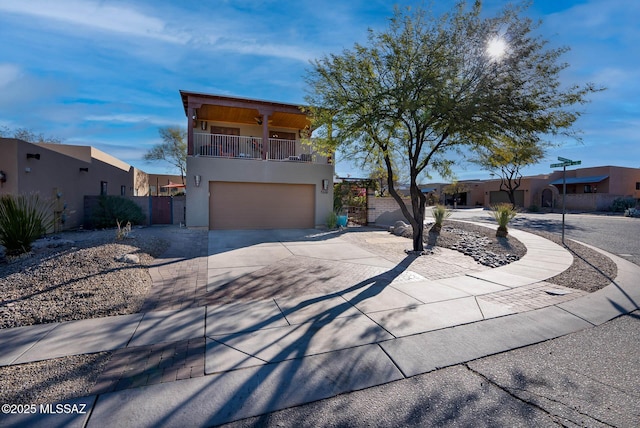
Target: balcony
(240,147)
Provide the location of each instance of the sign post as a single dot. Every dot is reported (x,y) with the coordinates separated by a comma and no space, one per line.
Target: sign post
(564,164)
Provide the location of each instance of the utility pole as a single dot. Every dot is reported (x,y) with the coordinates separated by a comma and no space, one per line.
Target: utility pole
(564,164)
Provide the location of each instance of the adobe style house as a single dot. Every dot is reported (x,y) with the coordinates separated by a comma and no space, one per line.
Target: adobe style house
(247,167)
(65,174)
(588,189)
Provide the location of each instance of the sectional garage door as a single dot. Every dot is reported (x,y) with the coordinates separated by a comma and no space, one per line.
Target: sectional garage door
(261,205)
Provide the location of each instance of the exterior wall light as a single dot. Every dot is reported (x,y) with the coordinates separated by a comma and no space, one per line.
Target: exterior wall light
(197,180)
(3,177)
(325,186)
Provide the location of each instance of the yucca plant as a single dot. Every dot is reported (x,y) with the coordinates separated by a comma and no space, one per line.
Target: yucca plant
(439,213)
(503,213)
(23,219)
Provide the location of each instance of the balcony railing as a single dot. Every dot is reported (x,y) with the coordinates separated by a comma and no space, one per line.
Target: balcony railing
(233,146)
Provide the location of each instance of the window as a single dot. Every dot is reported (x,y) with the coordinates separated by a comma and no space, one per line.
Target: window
(587,188)
(123,190)
(103,188)
(637,185)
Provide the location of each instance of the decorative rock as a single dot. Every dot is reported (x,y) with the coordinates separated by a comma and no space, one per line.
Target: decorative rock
(400,228)
(128,258)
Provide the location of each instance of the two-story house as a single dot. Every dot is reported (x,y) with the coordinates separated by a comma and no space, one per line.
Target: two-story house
(247,167)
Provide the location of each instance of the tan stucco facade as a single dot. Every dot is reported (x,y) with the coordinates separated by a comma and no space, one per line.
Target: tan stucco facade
(237,140)
(65,174)
(254,171)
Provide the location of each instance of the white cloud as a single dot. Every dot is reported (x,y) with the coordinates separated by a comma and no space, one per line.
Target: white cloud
(96,15)
(8,74)
(130,118)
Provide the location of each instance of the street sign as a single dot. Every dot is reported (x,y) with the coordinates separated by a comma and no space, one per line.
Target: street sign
(568,163)
(564,163)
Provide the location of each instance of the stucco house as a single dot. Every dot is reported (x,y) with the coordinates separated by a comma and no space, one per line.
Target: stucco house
(588,189)
(66,174)
(247,167)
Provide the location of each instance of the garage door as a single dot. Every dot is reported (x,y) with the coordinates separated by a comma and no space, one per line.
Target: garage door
(261,205)
(503,198)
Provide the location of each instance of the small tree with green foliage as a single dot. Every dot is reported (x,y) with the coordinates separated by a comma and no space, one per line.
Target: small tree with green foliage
(506,156)
(173,148)
(419,92)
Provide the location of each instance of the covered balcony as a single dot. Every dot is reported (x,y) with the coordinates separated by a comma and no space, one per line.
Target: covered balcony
(236,128)
(241,147)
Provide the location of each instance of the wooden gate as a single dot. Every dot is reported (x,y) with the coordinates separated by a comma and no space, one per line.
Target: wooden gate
(161,209)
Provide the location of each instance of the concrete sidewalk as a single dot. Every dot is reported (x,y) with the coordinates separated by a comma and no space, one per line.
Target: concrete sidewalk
(372,320)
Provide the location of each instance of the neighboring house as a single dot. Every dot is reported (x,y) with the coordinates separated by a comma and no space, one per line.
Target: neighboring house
(66,174)
(166,185)
(588,189)
(247,167)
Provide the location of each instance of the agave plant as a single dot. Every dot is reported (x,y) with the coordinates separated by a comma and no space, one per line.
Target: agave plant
(23,219)
(439,213)
(503,213)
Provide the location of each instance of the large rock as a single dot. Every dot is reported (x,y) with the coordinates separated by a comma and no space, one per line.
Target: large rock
(400,228)
(128,258)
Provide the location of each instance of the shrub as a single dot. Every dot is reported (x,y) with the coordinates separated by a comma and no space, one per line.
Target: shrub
(439,213)
(113,209)
(632,212)
(503,213)
(23,219)
(619,205)
(534,208)
(332,220)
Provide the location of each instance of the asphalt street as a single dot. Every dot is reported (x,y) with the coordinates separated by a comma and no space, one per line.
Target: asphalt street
(585,379)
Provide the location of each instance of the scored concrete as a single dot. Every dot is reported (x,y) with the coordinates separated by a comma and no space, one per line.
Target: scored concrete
(233,395)
(83,337)
(21,339)
(296,341)
(433,350)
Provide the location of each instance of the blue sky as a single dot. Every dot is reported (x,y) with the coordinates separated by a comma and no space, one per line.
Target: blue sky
(107,73)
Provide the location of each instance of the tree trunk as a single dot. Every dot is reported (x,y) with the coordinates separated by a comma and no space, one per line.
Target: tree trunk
(418,201)
(512,198)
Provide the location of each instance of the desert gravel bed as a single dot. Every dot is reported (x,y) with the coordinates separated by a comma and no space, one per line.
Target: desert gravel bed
(77,277)
(51,380)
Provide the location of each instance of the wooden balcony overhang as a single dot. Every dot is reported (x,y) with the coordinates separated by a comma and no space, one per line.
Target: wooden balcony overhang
(222,108)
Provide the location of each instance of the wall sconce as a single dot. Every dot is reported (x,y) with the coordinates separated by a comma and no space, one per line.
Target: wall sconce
(197,179)
(27,170)
(325,186)
(3,177)
(203,125)
(84,169)
(33,156)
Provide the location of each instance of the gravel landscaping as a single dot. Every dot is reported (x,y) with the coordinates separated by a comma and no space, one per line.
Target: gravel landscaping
(77,276)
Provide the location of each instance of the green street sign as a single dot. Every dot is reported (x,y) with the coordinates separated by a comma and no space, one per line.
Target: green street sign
(564,159)
(563,164)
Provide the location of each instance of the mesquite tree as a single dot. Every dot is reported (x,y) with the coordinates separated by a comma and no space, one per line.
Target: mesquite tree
(425,88)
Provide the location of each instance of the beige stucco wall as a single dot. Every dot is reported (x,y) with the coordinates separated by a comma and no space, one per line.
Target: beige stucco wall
(9,165)
(253,171)
(57,175)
